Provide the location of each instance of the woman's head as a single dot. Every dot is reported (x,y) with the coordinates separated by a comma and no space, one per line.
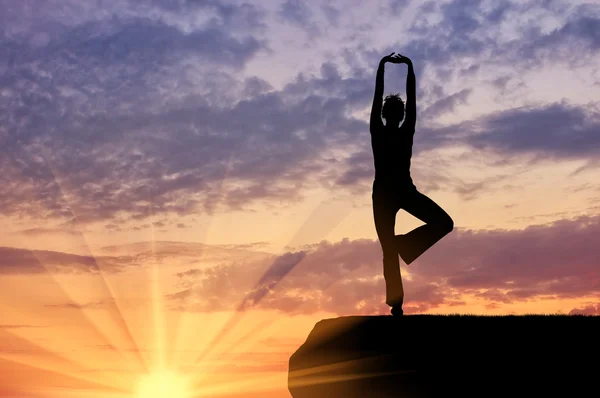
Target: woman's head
(393,109)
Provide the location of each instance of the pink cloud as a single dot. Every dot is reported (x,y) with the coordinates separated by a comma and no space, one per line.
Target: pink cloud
(592,309)
(557,260)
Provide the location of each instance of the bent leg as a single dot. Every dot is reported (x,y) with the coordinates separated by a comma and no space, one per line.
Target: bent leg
(384,214)
(437,224)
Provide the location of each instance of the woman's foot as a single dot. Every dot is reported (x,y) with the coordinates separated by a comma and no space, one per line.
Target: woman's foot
(397,310)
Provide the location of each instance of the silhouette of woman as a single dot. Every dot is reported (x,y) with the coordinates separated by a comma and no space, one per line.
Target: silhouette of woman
(393,188)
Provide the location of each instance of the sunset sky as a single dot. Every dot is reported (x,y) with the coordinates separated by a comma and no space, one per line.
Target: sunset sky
(186,184)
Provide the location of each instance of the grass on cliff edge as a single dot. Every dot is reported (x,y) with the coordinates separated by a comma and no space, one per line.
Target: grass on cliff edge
(497,316)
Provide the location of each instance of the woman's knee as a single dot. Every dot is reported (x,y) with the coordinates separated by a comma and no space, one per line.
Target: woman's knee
(447,224)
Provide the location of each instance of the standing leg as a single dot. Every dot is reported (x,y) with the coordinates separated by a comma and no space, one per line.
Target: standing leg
(437,224)
(384,213)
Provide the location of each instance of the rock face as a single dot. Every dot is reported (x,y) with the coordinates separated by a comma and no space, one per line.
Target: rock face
(439,356)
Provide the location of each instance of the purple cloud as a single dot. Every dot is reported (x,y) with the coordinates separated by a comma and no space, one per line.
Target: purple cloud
(592,309)
(556,260)
(101,116)
(22,261)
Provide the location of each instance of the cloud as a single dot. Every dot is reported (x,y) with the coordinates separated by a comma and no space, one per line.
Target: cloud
(592,309)
(14,261)
(20,326)
(271,277)
(359,168)
(94,305)
(556,260)
(185,253)
(578,35)
(467,26)
(65,117)
(331,13)
(36,232)
(557,130)
(115,111)
(446,104)
(85,174)
(238,17)
(296,11)
(30,18)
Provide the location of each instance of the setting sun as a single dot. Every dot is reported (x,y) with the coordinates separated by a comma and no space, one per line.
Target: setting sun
(162,384)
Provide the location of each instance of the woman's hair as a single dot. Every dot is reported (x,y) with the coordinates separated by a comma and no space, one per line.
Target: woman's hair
(392,104)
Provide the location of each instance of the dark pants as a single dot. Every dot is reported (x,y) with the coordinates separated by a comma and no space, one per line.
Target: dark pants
(386,203)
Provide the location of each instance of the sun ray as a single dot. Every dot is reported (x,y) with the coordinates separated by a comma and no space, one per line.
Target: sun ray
(338,365)
(204,371)
(298,378)
(23,343)
(59,288)
(265,325)
(80,315)
(55,363)
(267,381)
(118,315)
(217,348)
(276,319)
(346,377)
(157,307)
(239,313)
(183,319)
(261,382)
(55,377)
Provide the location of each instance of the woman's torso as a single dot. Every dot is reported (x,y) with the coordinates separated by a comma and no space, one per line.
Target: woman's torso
(392,152)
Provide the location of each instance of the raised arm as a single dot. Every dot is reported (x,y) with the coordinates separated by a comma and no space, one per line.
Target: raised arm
(411,104)
(376,122)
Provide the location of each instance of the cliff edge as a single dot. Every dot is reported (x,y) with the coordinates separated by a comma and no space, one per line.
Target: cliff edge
(435,356)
